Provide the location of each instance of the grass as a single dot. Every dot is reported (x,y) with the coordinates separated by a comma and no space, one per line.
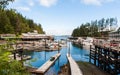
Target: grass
(90,69)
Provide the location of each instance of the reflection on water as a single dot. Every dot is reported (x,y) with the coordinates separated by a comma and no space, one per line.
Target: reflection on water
(77,54)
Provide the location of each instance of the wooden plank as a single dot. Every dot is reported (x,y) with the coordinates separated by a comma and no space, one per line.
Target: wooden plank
(47,65)
(75,70)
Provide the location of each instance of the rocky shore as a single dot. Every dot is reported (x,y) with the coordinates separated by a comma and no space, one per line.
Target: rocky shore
(65,70)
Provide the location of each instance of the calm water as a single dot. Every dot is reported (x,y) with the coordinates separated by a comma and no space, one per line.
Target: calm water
(41,57)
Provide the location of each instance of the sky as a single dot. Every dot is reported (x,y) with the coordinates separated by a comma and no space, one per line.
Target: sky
(60,17)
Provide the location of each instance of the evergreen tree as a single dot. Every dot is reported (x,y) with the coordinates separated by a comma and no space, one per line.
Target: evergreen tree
(95,28)
(4,3)
(13,22)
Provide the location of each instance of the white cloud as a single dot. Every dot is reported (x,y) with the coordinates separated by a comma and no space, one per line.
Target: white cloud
(48,3)
(91,2)
(23,8)
(96,2)
(31,3)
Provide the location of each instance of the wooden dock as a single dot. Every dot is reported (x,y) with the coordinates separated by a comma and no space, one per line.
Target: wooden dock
(47,65)
(107,59)
(75,70)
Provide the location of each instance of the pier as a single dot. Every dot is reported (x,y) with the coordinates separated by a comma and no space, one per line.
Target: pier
(106,58)
(47,65)
(75,70)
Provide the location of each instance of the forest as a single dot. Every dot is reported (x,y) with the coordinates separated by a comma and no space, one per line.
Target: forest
(97,28)
(13,22)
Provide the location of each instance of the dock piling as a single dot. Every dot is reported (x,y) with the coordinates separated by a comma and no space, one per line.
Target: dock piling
(107,59)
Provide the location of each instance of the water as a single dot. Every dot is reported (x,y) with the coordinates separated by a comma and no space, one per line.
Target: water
(41,57)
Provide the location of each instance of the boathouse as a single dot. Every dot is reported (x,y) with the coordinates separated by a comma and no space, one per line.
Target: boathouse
(35,36)
(7,35)
(30,36)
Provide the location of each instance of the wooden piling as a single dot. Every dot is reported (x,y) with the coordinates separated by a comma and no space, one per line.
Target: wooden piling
(107,59)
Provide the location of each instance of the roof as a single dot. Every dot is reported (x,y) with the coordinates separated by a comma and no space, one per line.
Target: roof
(117,30)
(7,35)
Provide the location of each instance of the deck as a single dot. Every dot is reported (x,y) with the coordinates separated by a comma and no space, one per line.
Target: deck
(47,65)
(75,70)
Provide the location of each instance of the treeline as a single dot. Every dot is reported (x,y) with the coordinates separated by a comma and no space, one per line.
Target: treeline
(95,28)
(10,22)
(13,22)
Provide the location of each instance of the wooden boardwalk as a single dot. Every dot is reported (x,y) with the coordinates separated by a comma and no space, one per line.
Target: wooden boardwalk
(75,70)
(107,59)
(47,65)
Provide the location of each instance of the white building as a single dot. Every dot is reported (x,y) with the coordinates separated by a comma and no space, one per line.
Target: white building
(115,35)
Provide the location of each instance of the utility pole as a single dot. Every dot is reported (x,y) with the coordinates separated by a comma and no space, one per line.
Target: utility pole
(69,49)
(58,47)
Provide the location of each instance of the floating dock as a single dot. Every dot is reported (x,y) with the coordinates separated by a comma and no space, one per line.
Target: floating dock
(75,70)
(47,65)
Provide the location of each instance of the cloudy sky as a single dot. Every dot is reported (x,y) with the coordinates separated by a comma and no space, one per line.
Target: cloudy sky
(62,16)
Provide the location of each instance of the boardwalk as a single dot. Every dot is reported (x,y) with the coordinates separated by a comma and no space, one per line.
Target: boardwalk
(75,70)
(47,65)
(107,59)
